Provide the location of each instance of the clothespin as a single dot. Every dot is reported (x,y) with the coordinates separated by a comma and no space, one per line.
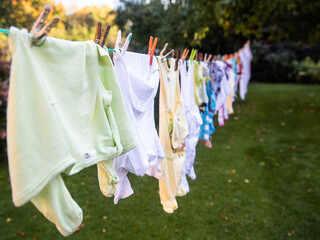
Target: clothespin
(39,28)
(184,54)
(152,47)
(101,39)
(196,58)
(192,54)
(177,60)
(162,52)
(207,59)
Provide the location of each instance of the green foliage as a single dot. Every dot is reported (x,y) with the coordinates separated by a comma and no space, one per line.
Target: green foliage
(306,71)
(270,141)
(279,62)
(219,26)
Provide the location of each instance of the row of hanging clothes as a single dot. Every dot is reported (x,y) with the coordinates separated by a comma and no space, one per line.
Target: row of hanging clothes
(71,106)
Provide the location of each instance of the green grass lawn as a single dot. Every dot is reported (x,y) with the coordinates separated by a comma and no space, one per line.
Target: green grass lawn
(259,181)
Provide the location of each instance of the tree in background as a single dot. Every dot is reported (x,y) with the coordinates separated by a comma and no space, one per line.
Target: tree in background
(218,25)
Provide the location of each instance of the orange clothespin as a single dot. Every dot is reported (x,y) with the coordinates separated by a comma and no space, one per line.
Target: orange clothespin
(152,48)
(184,54)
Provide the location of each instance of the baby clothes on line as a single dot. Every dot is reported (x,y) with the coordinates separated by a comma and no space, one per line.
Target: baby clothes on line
(173,130)
(194,121)
(197,82)
(139,83)
(61,117)
(246,57)
(204,72)
(207,128)
(232,84)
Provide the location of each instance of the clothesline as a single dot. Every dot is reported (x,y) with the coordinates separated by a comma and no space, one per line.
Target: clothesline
(6,31)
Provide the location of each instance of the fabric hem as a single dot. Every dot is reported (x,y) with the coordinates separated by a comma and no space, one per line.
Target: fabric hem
(19,201)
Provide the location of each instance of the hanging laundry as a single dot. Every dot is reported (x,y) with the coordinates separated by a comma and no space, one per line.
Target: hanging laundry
(139,83)
(246,57)
(192,114)
(65,113)
(232,84)
(173,130)
(204,72)
(197,82)
(207,128)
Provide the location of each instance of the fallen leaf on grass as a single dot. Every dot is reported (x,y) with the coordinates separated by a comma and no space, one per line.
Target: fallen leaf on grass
(22,234)
(8,220)
(258,132)
(176,230)
(293,159)
(211,203)
(282,124)
(165,227)
(229,181)
(87,217)
(236,118)
(261,140)
(104,230)
(233,171)
(224,217)
(309,190)
(289,234)
(246,181)
(292,147)
(104,217)
(262,163)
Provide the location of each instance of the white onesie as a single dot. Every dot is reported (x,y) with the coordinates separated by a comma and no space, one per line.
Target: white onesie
(139,83)
(193,117)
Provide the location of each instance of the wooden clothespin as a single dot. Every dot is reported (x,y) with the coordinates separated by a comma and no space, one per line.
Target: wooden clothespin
(162,52)
(101,39)
(196,58)
(184,54)
(152,47)
(177,60)
(39,28)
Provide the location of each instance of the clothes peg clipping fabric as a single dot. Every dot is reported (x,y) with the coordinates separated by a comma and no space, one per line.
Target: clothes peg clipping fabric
(192,54)
(152,47)
(207,59)
(163,50)
(39,29)
(124,45)
(184,54)
(101,38)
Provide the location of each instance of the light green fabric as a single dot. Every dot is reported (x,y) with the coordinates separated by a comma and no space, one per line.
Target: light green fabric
(65,110)
(197,81)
